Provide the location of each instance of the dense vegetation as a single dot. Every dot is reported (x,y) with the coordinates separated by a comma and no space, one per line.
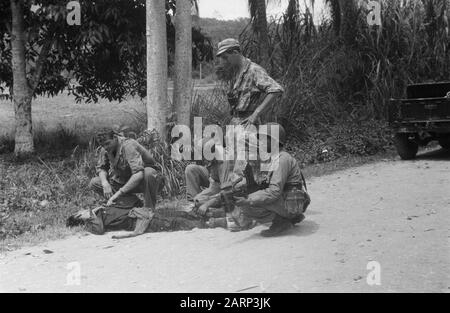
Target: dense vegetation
(339,80)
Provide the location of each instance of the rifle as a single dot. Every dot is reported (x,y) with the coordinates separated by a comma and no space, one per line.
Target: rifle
(229,190)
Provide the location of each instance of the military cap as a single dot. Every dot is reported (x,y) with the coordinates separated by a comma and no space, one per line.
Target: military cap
(226,45)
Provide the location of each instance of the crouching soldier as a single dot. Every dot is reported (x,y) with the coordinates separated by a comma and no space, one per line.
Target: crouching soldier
(125,167)
(284,200)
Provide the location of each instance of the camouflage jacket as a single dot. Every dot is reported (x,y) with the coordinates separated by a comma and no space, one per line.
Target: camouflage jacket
(284,170)
(251,86)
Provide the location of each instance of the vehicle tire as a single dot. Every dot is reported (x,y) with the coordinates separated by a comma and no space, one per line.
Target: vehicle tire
(406,148)
(444,142)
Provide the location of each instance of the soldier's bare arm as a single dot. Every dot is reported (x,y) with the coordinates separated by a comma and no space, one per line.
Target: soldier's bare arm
(264,106)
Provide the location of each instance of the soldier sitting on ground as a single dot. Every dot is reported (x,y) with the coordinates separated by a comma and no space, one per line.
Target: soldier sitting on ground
(203,181)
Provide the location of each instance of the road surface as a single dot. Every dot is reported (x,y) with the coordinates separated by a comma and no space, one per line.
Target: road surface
(381,227)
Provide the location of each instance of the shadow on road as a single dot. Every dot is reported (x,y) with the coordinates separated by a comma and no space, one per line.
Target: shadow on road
(434,155)
(313,212)
(303,229)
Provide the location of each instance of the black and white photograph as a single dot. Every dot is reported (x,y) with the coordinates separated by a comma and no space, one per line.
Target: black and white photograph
(225,152)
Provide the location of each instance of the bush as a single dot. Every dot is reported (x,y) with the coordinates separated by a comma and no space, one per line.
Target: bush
(54,143)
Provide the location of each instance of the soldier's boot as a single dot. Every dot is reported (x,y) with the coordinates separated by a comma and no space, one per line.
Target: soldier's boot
(279,225)
(140,228)
(141,225)
(217,222)
(239,221)
(298,219)
(231,223)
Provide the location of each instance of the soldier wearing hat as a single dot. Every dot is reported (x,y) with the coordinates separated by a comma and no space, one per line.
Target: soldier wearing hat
(285,200)
(282,199)
(124,167)
(251,91)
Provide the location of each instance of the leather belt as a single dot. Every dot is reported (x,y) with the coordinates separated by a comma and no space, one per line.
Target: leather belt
(290,186)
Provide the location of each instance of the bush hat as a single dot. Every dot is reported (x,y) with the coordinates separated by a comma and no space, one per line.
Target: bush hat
(226,45)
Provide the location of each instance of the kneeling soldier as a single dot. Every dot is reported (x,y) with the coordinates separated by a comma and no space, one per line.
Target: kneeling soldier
(284,201)
(125,167)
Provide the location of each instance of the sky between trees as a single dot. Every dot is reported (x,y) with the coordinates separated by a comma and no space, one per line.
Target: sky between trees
(233,9)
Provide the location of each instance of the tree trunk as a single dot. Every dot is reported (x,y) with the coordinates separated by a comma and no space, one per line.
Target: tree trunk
(335,12)
(21,91)
(349,20)
(258,12)
(182,92)
(156,66)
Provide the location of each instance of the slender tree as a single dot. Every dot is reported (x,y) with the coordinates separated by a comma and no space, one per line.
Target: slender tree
(335,12)
(21,89)
(344,16)
(259,23)
(157,108)
(349,12)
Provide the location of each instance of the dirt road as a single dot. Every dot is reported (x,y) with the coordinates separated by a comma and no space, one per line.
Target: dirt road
(394,213)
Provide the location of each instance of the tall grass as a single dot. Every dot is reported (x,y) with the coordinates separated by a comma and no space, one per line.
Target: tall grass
(211,106)
(335,83)
(37,195)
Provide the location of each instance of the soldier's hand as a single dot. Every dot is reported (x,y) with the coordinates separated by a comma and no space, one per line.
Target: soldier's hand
(94,211)
(251,120)
(112,200)
(241,201)
(202,209)
(107,191)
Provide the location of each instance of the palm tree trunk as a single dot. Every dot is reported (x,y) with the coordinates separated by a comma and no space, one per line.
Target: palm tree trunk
(349,21)
(156,66)
(21,90)
(182,92)
(335,12)
(259,21)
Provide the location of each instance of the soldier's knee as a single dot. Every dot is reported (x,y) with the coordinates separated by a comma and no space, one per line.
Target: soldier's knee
(190,169)
(150,174)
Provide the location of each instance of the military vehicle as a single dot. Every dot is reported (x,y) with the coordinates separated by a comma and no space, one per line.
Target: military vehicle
(422,117)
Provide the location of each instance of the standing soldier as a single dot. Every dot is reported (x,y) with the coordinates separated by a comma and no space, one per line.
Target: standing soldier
(251,91)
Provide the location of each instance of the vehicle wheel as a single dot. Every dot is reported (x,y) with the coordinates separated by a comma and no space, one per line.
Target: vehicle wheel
(445,142)
(406,148)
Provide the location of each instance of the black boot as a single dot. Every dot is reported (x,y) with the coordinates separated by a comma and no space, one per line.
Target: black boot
(297,219)
(279,225)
